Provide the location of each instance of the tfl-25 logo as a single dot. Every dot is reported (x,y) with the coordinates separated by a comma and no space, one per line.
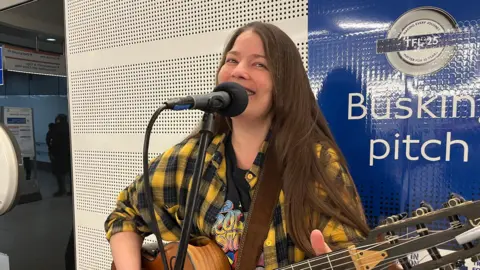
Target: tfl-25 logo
(421,41)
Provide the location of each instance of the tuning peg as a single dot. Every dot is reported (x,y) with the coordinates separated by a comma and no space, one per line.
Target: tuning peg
(402,215)
(427,205)
(455,195)
(391,237)
(395,218)
(454,200)
(423,209)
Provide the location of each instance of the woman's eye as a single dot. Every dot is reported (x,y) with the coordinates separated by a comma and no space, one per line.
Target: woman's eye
(261,65)
(230,60)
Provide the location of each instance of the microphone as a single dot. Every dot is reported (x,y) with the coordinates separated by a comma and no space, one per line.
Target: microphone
(229,99)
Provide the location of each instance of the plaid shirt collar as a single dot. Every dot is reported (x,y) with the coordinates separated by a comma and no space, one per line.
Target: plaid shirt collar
(217,147)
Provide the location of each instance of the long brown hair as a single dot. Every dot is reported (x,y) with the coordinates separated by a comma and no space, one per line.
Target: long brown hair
(298,125)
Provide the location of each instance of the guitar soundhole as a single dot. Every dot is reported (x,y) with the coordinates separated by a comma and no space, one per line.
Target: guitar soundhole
(199,241)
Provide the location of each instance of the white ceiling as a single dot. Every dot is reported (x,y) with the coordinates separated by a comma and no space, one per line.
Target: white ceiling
(42,16)
(49,11)
(31,24)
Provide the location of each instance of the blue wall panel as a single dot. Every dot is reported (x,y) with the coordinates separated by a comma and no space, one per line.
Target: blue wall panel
(44,85)
(348,62)
(62,86)
(17,83)
(32,84)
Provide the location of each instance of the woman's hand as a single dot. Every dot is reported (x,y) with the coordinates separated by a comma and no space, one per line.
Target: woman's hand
(318,243)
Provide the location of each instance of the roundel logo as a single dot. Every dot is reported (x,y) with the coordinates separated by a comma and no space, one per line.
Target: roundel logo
(421,41)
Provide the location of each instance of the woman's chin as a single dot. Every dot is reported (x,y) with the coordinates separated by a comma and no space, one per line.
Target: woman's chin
(248,116)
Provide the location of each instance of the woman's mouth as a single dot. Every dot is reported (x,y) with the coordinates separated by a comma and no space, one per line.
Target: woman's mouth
(250,92)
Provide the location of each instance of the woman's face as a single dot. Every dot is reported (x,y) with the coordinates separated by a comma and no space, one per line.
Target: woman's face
(246,64)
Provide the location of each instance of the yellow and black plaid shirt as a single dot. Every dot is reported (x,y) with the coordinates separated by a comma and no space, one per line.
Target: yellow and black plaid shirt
(171,174)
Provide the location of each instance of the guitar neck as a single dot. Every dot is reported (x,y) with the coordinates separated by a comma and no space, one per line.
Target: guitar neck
(340,260)
(380,255)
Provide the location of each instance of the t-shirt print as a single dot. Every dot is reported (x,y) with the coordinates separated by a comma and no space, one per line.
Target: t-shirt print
(228,230)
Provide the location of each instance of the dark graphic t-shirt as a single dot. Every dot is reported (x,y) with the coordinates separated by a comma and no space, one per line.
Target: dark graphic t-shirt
(229,226)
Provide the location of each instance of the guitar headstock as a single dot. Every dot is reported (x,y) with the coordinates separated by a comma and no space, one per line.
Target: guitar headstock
(401,236)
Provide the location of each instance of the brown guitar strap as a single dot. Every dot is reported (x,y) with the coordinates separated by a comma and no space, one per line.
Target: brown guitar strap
(263,204)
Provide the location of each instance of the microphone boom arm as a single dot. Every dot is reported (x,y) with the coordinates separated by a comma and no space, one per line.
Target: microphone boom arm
(206,133)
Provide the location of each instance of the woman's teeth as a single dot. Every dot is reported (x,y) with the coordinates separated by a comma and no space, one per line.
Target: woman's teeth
(250,93)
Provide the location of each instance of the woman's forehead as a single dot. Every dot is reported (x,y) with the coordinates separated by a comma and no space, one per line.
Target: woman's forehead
(249,43)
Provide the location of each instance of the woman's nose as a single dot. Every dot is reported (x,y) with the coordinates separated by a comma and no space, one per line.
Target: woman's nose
(240,72)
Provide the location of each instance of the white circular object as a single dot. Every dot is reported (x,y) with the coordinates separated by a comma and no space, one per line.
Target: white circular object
(11,171)
(416,22)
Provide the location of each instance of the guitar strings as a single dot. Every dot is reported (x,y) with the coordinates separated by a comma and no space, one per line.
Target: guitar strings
(388,240)
(419,238)
(346,251)
(408,241)
(371,246)
(329,255)
(395,257)
(389,260)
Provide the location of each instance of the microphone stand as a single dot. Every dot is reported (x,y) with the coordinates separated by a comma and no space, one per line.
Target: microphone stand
(206,134)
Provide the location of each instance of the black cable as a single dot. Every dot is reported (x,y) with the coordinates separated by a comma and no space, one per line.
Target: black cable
(206,134)
(148,189)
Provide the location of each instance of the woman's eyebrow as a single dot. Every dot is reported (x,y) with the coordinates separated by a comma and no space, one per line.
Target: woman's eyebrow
(236,53)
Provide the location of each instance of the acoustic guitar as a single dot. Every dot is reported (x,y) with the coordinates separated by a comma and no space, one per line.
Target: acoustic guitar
(401,234)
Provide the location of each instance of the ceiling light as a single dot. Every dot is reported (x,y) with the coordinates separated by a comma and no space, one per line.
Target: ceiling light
(51,39)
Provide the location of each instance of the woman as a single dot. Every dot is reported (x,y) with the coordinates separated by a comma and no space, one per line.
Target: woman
(316,184)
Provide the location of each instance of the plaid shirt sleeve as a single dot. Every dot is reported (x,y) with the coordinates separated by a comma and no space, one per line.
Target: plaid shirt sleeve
(338,235)
(131,212)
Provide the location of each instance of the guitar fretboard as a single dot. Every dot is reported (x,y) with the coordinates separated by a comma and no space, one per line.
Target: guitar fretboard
(339,260)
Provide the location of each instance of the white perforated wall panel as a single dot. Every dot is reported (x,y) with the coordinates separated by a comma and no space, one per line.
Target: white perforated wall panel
(126,56)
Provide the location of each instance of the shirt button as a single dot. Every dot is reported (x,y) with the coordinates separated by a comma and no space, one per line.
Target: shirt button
(268,243)
(249,176)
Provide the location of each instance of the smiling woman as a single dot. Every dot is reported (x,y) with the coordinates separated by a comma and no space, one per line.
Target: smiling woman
(246,64)
(318,208)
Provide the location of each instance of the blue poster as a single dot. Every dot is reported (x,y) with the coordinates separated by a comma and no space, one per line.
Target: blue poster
(399,84)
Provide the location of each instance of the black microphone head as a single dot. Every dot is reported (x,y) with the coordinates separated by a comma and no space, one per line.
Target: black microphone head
(239,98)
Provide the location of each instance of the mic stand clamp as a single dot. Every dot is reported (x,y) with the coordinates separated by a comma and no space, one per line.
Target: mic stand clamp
(206,134)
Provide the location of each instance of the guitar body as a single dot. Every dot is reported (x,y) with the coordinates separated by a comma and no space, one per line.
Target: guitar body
(202,254)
